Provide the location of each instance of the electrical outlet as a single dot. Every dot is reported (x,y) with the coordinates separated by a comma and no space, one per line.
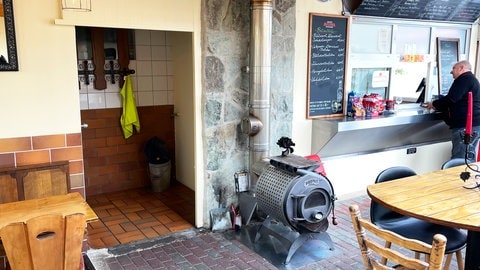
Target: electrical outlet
(412,150)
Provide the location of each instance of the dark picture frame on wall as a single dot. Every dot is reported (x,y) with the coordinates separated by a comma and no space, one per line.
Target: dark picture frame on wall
(327,59)
(8,61)
(448,53)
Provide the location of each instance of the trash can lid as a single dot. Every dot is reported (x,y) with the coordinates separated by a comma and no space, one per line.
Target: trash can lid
(156,151)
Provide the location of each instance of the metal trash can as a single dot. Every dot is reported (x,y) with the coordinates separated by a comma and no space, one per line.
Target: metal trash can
(160,176)
(159,164)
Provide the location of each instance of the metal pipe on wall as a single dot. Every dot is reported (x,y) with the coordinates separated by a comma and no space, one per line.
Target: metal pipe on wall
(260,70)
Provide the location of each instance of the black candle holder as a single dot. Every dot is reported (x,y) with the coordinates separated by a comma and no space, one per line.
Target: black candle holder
(467,138)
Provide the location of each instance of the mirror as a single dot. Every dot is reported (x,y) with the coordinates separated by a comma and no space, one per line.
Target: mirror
(8,45)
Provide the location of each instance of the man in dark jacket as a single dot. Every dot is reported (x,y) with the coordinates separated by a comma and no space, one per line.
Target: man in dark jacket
(454,108)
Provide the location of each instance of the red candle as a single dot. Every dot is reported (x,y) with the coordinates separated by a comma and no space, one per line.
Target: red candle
(468,126)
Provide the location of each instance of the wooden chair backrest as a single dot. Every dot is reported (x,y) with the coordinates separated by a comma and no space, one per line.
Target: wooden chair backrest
(369,246)
(34,181)
(8,188)
(45,242)
(44,183)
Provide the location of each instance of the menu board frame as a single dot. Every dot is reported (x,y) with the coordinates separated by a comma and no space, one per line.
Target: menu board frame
(448,53)
(327,62)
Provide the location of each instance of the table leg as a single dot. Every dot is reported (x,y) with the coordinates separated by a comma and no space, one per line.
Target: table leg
(472,260)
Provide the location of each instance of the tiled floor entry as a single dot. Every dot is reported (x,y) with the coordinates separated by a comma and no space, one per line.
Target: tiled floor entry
(137,214)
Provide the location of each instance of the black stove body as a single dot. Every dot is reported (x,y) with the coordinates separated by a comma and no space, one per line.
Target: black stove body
(297,202)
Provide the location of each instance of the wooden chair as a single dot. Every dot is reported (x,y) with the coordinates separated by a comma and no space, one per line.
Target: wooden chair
(368,247)
(45,242)
(414,228)
(34,182)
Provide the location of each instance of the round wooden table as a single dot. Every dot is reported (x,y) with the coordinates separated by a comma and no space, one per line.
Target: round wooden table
(438,197)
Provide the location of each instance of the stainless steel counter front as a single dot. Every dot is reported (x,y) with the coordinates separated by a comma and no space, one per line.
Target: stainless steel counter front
(410,125)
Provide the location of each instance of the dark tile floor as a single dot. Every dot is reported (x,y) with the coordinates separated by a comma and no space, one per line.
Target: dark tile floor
(193,248)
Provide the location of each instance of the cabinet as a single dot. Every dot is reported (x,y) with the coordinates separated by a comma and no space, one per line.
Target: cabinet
(34,181)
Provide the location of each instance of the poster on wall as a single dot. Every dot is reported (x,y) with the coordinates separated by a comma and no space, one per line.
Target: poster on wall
(327,56)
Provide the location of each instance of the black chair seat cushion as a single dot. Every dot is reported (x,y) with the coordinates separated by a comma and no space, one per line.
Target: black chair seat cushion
(424,231)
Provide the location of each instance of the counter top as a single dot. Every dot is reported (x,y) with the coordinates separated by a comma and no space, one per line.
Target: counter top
(404,114)
(409,125)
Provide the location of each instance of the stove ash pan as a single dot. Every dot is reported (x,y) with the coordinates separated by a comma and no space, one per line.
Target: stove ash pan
(301,199)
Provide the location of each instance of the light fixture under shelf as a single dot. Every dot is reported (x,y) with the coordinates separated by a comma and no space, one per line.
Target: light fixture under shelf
(77,5)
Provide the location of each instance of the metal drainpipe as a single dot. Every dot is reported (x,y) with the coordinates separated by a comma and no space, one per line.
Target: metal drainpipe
(257,124)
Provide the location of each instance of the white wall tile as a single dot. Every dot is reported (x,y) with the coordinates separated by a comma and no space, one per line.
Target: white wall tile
(112,88)
(169,68)
(144,83)
(168,50)
(153,79)
(159,68)
(143,52)
(160,83)
(144,68)
(168,38)
(170,83)
(158,37)
(113,100)
(145,99)
(160,97)
(83,102)
(96,100)
(171,97)
(142,37)
(83,87)
(159,53)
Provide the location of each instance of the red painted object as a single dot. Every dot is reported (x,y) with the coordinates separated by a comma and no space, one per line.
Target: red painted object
(320,168)
(468,126)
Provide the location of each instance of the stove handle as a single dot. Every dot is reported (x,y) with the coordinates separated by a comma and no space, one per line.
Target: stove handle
(296,202)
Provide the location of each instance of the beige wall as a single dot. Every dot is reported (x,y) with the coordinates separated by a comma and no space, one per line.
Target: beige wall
(41,98)
(302,127)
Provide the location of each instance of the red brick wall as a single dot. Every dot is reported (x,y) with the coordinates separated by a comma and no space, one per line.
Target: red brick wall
(113,163)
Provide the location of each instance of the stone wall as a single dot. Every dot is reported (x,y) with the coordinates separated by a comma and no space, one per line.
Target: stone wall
(225,54)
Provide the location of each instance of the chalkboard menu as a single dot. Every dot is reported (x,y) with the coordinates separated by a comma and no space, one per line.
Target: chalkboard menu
(447,56)
(438,10)
(326,65)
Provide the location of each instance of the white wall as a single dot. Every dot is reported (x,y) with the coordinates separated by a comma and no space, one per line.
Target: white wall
(351,175)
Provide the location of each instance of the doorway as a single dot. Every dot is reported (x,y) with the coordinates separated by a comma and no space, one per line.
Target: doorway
(163,87)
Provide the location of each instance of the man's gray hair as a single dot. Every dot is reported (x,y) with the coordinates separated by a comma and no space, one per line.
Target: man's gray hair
(465,64)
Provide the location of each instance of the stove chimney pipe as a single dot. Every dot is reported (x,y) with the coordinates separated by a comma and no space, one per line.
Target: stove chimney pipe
(257,123)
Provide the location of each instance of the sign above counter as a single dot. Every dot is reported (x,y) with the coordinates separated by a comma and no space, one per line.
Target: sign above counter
(467,11)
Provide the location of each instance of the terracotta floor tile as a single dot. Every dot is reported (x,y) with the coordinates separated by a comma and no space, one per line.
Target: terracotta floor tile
(137,214)
(109,241)
(161,229)
(116,229)
(150,232)
(164,219)
(130,236)
(133,216)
